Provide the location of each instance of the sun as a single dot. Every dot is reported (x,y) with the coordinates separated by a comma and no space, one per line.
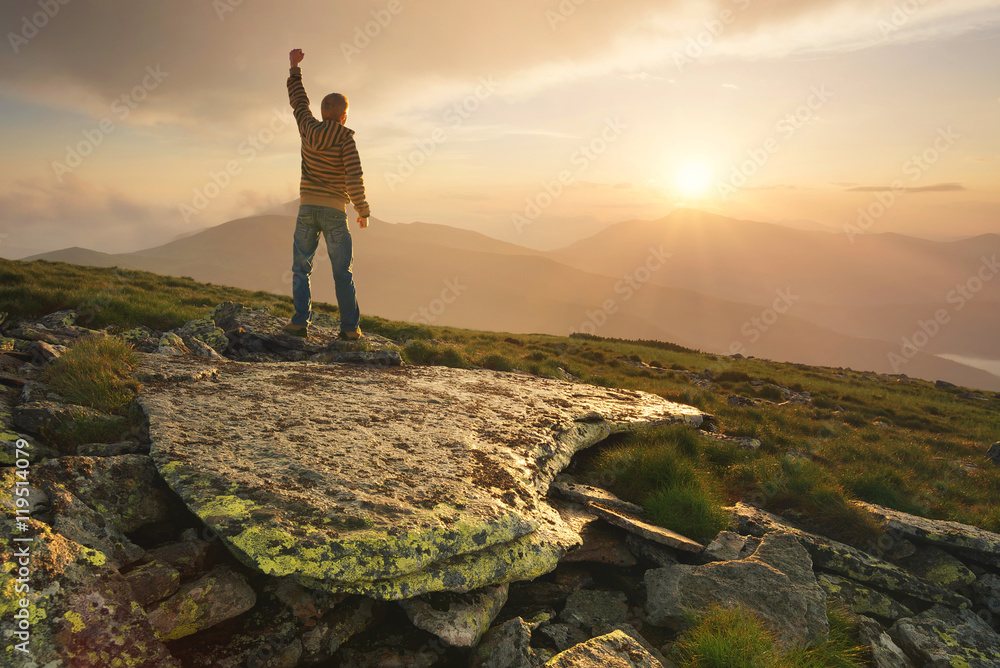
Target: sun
(693,178)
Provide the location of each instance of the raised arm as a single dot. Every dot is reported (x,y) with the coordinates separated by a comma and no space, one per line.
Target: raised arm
(297,93)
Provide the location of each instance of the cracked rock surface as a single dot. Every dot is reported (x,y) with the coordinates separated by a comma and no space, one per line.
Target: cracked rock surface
(387,482)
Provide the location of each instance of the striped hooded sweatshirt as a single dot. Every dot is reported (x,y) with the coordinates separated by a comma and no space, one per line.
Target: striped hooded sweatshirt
(331,166)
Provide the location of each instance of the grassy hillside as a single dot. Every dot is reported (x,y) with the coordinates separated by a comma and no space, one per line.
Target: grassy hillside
(893,441)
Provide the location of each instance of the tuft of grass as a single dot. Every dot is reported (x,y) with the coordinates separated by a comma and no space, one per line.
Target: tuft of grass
(656,469)
(733,637)
(96,372)
(727,638)
(497,363)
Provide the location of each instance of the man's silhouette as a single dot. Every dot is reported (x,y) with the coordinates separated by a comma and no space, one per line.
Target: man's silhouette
(331,177)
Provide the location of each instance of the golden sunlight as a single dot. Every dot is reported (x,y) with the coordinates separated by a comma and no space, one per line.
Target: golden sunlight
(693,178)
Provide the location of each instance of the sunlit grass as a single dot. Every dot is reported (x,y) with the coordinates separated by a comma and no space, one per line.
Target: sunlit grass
(725,637)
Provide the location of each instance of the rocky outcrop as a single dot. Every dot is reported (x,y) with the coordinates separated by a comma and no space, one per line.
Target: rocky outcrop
(386,483)
(776,583)
(386,515)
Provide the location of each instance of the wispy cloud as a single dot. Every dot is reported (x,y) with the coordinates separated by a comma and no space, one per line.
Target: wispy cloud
(932,188)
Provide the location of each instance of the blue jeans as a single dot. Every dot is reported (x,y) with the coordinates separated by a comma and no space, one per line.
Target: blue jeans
(332,223)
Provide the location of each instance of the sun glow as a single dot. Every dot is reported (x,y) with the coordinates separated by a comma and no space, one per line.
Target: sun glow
(693,179)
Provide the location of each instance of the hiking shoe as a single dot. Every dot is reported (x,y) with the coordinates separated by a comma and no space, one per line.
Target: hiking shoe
(350,336)
(296,330)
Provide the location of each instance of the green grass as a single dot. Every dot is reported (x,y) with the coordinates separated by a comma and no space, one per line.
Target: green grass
(735,638)
(96,372)
(909,465)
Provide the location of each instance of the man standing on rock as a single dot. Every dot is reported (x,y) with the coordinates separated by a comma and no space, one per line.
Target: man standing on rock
(331,177)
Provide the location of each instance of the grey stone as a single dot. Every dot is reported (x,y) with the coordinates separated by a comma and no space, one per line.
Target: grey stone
(613,650)
(632,632)
(586,608)
(336,627)
(220,594)
(885,652)
(81,608)
(939,568)
(776,583)
(846,560)
(205,331)
(948,637)
(654,553)
(458,619)
(565,487)
(384,482)
(188,557)
(153,581)
(80,523)
(601,545)
(861,599)
(646,529)
(973,542)
(125,489)
(172,345)
(563,636)
(199,348)
(506,646)
(993,454)
(727,546)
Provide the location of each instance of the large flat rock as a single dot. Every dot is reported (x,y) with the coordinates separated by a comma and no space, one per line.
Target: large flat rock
(385,482)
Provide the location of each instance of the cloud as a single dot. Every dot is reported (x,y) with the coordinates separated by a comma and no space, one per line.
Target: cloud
(39,214)
(933,188)
(226,66)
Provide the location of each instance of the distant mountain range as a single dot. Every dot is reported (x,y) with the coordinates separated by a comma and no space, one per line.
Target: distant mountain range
(885,302)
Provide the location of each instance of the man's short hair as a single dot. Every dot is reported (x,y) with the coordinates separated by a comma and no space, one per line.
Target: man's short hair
(334,105)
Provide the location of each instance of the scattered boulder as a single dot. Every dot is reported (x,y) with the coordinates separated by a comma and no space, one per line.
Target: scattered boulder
(217,596)
(172,345)
(647,530)
(776,583)
(971,541)
(458,619)
(153,581)
(506,646)
(862,600)
(948,637)
(728,546)
(845,560)
(333,629)
(993,454)
(80,613)
(205,331)
(614,650)
(885,652)
(587,608)
(564,486)
(939,568)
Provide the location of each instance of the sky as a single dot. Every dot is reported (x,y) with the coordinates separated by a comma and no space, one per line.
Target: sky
(126,124)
